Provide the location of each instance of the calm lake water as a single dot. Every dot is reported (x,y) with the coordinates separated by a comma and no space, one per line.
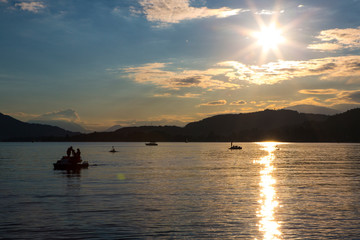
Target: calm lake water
(181,191)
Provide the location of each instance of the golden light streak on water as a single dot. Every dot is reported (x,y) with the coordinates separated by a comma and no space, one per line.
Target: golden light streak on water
(268,203)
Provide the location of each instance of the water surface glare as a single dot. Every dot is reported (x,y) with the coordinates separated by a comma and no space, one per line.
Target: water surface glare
(181,191)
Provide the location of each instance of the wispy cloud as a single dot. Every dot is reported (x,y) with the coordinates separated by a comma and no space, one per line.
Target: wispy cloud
(177,120)
(268,12)
(63,115)
(22,116)
(328,91)
(159,74)
(339,97)
(346,97)
(235,75)
(34,7)
(214,103)
(189,95)
(186,95)
(162,95)
(331,68)
(166,12)
(307,101)
(335,39)
(238,102)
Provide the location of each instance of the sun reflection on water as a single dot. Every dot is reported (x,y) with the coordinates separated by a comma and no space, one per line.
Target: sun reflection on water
(268,204)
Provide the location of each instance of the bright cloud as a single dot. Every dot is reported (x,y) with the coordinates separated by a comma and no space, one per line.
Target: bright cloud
(63,115)
(329,91)
(308,101)
(239,102)
(189,95)
(268,12)
(174,11)
(214,103)
(335,39)
(162,95)
(234,75)
(30,6)
(341,97)
(157,73)
(346,97)
(332,68)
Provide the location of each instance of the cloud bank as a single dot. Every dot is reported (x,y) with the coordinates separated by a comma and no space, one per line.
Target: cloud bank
(63,115)
(236,75)
(331,68)
(158,74)
(337,39)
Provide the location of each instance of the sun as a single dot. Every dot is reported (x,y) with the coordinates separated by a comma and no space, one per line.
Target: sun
(269,37)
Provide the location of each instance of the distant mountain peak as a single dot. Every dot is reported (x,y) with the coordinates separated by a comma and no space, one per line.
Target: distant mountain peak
(113,128)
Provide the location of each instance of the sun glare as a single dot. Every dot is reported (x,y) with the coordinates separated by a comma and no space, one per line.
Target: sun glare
(269,37)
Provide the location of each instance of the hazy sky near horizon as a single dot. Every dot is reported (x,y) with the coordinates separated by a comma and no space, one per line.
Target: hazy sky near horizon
(136,62)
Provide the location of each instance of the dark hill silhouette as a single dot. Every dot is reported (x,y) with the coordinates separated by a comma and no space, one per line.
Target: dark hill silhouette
(344,127)
(280,125)
(234,124)
(276,125)
(12,129)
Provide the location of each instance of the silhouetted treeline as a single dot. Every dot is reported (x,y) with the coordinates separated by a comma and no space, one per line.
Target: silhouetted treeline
(279,125)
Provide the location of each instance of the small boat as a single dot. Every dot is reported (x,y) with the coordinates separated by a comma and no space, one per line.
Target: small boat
(234,146)
(113,150)
(70,163)
(151,144)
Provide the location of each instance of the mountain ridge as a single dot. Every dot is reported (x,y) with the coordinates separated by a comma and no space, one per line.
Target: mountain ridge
(267,125)
(12,129)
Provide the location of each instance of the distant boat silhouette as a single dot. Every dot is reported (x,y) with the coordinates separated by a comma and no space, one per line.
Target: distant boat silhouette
(113,150)
(70,163)
(234,146)
(151,144)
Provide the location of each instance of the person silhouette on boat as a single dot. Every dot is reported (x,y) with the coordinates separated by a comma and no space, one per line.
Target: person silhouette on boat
(77,155)
(69,151)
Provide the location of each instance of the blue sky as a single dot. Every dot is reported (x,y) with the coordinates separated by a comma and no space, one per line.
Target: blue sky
(135,62)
